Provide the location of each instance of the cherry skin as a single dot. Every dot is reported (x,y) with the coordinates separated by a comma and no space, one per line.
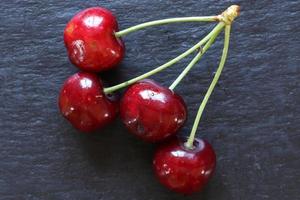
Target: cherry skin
(91,42)
(184,170)
(152,112)
(83,102)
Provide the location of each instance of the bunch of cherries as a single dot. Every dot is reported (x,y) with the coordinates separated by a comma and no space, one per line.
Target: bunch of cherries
(150,111)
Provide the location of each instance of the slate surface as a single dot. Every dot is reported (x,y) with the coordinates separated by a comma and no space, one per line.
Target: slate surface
(252,119)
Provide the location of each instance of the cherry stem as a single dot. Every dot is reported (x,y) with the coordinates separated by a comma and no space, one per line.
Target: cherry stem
(190,143)
(215,31)
(194,61)
(166,21)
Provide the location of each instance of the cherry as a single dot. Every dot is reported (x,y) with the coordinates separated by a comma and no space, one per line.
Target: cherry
(91,42)
(83,102)
(182,169)
(152,112)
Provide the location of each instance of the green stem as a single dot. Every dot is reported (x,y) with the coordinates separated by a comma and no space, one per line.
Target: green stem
(190,143)
(194,61)
(165,21)
(219,27)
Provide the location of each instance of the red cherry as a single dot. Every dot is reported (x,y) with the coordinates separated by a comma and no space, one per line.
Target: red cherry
(152,112)
(83,102)
(184,170)
(90,40)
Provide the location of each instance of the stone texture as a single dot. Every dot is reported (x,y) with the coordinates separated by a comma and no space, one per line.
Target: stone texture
(252,119)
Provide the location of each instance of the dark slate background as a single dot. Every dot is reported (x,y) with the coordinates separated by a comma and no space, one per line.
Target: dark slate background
(252,119)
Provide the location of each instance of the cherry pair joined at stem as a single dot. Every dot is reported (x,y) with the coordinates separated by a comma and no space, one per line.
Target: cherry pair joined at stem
(88,119)
(146,107)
